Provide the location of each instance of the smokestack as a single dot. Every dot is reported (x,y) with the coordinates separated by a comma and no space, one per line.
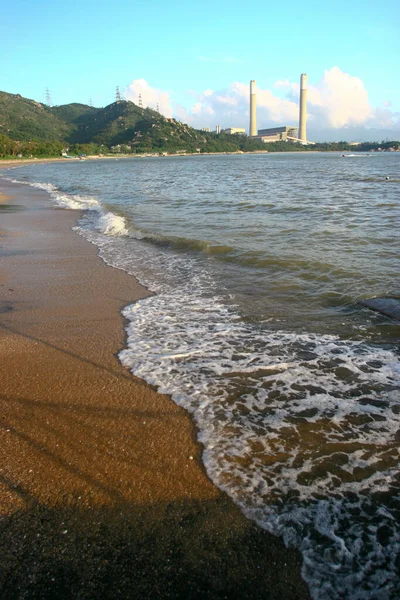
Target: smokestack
(303,107)
(253,109)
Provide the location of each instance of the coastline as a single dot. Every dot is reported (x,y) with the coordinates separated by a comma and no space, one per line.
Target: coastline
(102,490)
(8,162)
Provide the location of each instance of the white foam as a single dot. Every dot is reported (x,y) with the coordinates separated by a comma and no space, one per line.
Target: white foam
(104,221)
(111,224)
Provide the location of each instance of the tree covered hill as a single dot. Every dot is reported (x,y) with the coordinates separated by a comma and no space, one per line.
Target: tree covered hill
(122,123)
(23,119)
(74,114)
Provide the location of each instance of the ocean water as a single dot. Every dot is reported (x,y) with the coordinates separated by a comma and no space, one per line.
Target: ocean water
(257,264)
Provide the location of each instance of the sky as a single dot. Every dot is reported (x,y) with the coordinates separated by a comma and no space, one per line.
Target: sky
(194,60)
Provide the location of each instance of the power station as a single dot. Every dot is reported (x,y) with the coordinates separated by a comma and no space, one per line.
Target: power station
(286,132)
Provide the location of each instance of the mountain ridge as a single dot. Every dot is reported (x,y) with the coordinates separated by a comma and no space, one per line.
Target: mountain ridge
(121,123)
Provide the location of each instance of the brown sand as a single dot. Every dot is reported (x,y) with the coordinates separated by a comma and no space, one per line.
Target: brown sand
(20,162)
(102,489)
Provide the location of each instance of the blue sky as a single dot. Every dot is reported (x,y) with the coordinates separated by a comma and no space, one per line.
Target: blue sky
(83,50)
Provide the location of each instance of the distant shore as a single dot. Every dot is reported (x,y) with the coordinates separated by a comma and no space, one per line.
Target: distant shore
(26,161)
(103,493)
(7,162)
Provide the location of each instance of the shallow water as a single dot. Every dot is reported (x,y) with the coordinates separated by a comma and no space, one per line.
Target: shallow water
(258,263)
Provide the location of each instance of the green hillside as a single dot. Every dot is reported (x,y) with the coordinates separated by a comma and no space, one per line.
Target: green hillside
(23,119)
(114,124)
(74,113)
(125,123)
(121,124)
(138,129)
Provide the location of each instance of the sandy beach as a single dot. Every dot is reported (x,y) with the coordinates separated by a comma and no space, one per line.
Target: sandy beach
(102,490)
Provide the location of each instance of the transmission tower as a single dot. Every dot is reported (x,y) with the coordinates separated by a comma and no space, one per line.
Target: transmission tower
(140,101)
(117,95)
(158,107)
(90,102)
(48,97)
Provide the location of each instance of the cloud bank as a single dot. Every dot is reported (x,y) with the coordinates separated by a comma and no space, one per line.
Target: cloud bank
(338,107)
(140,90)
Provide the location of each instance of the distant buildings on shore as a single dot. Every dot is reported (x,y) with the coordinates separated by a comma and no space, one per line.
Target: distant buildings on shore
(234,130)
(277,134)
(284,133)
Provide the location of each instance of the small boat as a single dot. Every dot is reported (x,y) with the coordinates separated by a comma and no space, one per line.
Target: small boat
(355,155)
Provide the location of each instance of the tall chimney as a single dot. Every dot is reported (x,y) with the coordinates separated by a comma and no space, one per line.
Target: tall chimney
(253,109)
(303,107)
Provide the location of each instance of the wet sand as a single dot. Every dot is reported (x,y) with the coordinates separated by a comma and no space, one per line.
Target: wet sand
(102,490)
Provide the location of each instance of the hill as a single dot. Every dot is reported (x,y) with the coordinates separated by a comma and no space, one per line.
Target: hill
(125,123)
(23,119)
(138,129)
(74,114)
(122,123)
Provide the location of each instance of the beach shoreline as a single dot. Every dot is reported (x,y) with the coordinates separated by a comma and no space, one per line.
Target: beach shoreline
(18,162)
(103,493)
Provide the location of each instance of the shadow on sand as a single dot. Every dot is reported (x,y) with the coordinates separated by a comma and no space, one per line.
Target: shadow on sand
(185,550)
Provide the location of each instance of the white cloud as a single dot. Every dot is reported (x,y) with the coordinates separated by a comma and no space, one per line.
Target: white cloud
(229,107)
(338,100)
(151,97)
(385,118)
(342,98)
(201,109)
(338,103)
(229,100)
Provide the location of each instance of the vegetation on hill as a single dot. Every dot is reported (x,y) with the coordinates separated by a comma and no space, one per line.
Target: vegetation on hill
(29,128)
(139,129)
(23,119)
(75,113)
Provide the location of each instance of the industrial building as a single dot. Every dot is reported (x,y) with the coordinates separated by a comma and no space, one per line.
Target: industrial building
(234,130)
(286,132)
(277,134)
